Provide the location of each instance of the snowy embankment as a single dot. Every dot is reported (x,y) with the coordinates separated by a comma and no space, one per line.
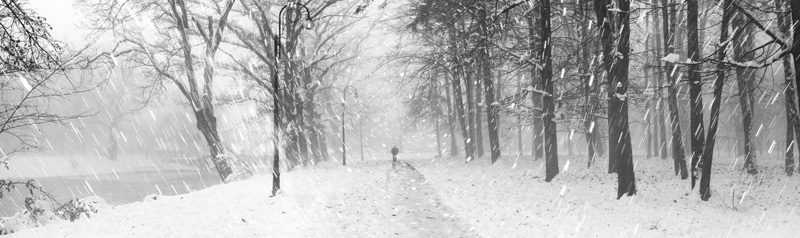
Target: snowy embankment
(312,204)
(511,199)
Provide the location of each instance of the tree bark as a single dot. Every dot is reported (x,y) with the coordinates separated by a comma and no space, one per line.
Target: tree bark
(458,98)
(618,107)
(314,128)
(668,25)
(607,25)
(537,148)
(650,129)
(478,110)
(550,139)
(471,115)
(695,88)
(492,111)
(746,89)
(451,119)
(588,78)
(293,108)
(438,139)
(520,146)
(784,21)
(795,25)
(493,115)
(113,147)
(662,140)
(202,102)
(719,83)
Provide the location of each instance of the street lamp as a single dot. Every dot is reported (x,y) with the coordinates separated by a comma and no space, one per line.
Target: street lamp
(276,42)
(344,109)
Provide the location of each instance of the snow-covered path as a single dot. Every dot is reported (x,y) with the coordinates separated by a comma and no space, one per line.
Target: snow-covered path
(398,204)
(416,204)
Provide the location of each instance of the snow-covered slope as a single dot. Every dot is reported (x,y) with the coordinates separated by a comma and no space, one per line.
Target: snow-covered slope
(511,199)
(328,200)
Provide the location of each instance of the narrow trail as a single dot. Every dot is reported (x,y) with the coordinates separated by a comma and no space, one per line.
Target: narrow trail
(416,204)
(392,201)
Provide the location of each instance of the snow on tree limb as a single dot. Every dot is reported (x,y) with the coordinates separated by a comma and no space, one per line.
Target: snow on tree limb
(752,64)
(521,58)
(543,93)
(671,58)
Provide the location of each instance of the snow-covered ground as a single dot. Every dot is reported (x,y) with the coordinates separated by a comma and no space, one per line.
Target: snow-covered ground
(511,199)
(364,199)
(449,198)
(125,180)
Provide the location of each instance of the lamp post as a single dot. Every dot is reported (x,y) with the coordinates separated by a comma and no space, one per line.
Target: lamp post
(344,109)
(276,42)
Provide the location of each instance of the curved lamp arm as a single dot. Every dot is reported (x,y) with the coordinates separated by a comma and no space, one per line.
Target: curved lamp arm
(309,23)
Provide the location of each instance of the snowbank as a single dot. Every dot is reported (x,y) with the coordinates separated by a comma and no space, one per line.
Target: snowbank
(328,200)
(511,199)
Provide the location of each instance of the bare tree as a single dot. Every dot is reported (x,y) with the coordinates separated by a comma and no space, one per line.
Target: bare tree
(167,54)
(550,139)
(784,22)
(746,87)
(616,64)
(695,86)
(35,69)
(670,31)
(719,83)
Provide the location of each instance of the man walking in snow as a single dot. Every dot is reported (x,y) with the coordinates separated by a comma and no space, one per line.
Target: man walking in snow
(394,154)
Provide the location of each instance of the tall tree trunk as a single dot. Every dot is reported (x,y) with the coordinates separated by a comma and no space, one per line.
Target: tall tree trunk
(472,128)
(588,78)
(478,109)
(492,111)
(695,88)
(207,124)
(458,98)
(784,22)
(438,139)
(599,145)
(719,83)
(550,139)
(648,131)
(313,127)
(744,39)
(662,135)
(113,147)
(607,25)
(795,25)
(519,121)
(618,106)
(668,26)
(203,101)
(537,148)
(648,104)
(451,118)
(293,109)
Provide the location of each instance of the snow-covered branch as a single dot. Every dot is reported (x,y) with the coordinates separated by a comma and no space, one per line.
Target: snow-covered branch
(534,90)
(752,64)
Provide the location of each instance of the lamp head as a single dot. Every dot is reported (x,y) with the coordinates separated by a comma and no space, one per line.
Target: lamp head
(309,24)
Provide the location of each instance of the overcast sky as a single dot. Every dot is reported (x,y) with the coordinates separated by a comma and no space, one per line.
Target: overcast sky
(62,16)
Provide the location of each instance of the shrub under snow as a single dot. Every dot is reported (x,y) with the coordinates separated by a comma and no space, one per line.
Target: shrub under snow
(40,211)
